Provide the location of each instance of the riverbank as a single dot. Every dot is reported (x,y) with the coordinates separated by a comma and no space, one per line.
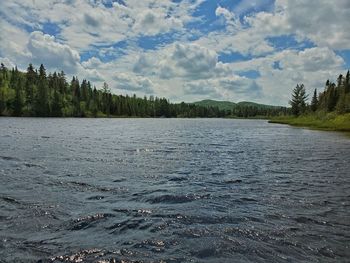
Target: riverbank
(319,121)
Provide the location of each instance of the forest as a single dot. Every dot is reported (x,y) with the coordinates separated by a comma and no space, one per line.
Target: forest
(35,93)
(327,110)
(334,98)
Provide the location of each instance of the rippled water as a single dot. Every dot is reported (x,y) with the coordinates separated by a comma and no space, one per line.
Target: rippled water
(177,190)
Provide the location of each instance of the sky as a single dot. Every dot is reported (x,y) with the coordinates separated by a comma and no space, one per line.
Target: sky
(184,50)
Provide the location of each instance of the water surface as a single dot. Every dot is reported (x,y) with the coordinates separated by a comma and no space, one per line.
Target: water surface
(172,190)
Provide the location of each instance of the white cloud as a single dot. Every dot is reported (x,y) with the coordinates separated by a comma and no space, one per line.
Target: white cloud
(326,23)
(230,18)
(86,23)
(150,23)
(13,42)
(182,70)
(7,62)
(248,38)
(312,67)
(309,60)
(322,22)
(45,49)
(234,88)
(250,5)
(130,82)
(93,62)
(193,61)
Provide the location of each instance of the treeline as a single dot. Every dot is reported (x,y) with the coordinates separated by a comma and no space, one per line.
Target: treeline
(250,111)
(35,93)
(334,98)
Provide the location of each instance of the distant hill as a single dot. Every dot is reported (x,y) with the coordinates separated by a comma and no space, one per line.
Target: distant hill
(228,105)
(222,105)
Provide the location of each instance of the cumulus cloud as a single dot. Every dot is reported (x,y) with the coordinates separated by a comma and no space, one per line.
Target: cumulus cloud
(230,18)
(45,49)
(7,62)
(91,21)
(179,60)
(93,62)
(241,85)
(188,68)
(13,42)
(323,22)
(312,59)
(203,87)
(193,61)
(129,82)
(86,23)
(230,87)
(151,23)
(250,5)
(143,65)
(310,66)
(237,37)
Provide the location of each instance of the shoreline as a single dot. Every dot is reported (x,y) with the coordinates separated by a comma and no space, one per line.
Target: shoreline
(139,117)
(318,121)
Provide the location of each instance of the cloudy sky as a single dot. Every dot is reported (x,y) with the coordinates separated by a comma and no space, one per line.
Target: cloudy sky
(185,50)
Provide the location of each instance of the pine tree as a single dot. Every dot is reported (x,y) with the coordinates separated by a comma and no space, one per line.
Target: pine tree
(314,101)
(56,105)
(347,83)
(298,101)
(30,88)
(106,98)
(18,100)
(331,97)
(3,76)
(42,107)
(75,87)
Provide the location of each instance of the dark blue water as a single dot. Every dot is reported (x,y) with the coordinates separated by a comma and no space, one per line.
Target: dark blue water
(172,190)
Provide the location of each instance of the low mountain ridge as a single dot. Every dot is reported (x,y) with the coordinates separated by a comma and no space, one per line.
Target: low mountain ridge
(229,105)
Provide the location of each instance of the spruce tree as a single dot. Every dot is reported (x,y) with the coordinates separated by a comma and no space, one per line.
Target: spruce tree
(347,83)
(314,101)
(56,110)
(18,100)
(42,108)
(298,101)
(30,88)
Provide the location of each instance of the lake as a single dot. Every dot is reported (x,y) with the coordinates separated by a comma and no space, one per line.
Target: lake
(172,190)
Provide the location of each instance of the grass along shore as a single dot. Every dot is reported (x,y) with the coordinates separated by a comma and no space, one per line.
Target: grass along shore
(320,121)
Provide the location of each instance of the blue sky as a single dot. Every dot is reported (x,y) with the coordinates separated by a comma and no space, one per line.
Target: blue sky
(185,50)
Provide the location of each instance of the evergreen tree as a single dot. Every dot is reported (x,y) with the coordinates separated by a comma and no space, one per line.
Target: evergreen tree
(106,100)
(75,87)
(18,100)
(331,97)
(42,107)
(56,110)
(2,100)
(347,83)
(36,94)
(30,88)
(314,101)
(298,101)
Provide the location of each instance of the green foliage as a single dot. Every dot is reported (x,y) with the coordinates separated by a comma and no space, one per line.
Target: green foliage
(244,109)
(298,101)
(335,97)
(330,110)
(221,105)
(314,101)
(35,93)
(320,120)
(41,98)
